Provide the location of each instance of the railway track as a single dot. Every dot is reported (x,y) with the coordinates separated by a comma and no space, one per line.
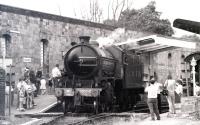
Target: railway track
(104,118)
(83,119)
(100,119)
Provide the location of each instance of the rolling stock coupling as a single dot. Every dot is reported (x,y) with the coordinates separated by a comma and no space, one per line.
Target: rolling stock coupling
(99,78)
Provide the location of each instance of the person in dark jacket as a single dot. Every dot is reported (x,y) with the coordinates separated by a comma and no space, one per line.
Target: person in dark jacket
(107,95)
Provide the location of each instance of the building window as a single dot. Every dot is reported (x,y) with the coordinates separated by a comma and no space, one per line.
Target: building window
(182,59)
(44,55)
(5,43)
(183,56)
(169,55)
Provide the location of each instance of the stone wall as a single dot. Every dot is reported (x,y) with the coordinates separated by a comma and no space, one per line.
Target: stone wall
(170,62)
(27,29)
(191,106)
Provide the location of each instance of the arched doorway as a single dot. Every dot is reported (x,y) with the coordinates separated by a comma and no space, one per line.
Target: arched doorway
(44,56)
(188,59)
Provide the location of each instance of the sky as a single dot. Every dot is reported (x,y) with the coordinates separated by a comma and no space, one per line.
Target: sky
(171,9)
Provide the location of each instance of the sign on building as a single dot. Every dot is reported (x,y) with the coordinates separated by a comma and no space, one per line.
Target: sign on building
(27,60)
(6,62)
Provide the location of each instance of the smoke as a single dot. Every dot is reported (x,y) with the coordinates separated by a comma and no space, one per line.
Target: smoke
(122,37)
(114,37)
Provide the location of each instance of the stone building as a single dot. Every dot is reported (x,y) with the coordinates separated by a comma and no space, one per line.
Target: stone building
(35,39)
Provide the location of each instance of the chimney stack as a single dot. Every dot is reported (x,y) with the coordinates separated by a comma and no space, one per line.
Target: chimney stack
(84,39)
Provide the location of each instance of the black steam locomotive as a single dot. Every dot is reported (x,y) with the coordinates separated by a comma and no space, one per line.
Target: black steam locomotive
(99,78)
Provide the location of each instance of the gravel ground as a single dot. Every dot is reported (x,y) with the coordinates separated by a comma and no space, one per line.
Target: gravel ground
(165,120)
(14,120)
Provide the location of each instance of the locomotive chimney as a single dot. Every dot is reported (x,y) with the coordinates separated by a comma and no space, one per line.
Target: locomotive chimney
(84,39)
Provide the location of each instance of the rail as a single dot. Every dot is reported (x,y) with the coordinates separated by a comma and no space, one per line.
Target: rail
(84,121)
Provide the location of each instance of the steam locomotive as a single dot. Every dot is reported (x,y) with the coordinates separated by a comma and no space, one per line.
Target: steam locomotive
(100,79)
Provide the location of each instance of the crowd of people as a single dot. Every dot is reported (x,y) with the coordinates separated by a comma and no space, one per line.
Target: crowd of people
(28,87)
(154,91)
(32,84)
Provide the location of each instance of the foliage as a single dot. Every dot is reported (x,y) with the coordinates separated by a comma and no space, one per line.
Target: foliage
(111,22)
(145,19)
(191,37)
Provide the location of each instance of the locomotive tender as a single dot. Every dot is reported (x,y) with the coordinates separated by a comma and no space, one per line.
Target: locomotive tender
(99,78)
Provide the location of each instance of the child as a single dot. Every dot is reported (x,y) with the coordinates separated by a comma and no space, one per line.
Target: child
(43,85)
(21,98)
(29,91)
(19,85)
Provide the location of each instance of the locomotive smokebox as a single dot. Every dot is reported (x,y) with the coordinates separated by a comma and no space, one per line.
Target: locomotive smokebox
(84,39)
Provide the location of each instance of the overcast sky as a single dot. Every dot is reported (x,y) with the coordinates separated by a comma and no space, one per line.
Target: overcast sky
(171,9)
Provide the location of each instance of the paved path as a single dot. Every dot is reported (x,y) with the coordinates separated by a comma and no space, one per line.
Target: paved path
(165,120)
(177,119)
(42,102)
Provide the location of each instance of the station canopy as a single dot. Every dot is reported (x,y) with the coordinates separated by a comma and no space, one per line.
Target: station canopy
(156,42)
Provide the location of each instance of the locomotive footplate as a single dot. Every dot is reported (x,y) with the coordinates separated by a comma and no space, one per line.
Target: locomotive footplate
(86,92)
(89,92)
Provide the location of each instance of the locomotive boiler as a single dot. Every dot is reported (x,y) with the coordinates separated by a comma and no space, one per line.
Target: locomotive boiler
(99,78)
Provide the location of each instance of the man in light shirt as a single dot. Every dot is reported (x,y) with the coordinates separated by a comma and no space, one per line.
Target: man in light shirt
(55,74)
(152,91)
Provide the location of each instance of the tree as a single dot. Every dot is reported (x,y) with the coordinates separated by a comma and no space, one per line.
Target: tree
(111,22)
(191,37)
(145,19)
(115,8)
(95,11)
(94,14)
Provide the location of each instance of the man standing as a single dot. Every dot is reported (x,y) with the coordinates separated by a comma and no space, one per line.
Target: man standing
(38,78)
(56,74)
(152,91)
(170,84)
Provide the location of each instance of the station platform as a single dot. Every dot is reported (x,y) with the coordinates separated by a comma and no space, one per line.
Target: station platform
(43,103)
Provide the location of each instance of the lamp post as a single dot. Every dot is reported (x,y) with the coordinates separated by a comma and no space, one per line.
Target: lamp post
(193,64)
